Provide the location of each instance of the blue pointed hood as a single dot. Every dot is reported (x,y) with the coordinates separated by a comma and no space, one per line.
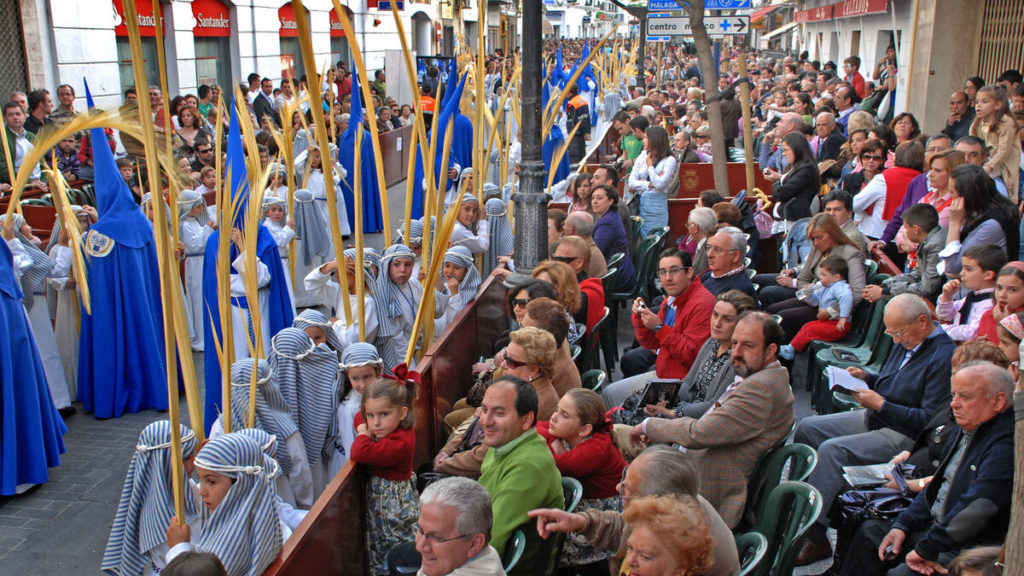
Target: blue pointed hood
(119,214)
(451,107)
(355,119)
(453,79)
(558,74)
(235,166)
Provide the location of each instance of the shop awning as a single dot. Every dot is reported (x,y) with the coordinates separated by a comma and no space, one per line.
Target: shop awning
(760,14)
(779,31)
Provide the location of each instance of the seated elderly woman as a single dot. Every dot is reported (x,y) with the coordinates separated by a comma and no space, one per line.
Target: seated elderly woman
(670,536)
(711,373)
(827,239)
(530,355)
(700,225)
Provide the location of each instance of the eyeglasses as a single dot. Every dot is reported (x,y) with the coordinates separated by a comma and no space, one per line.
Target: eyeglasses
(898,333)
(204,150)
(870,157)
(719,249)
(671,271)
(520,302)
(434,538)
(564,259)
(512,362)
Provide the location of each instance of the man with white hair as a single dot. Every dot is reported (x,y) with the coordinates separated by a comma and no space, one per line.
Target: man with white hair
(967,502)
(454,530)
(911,386)
(829,141)
(726,250)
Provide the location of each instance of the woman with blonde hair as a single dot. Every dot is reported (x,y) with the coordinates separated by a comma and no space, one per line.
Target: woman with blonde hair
(530,355)
(670,537)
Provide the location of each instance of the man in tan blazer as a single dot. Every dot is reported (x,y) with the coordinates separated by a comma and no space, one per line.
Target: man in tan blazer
(754,414)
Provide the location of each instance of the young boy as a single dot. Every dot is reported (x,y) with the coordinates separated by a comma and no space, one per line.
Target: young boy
(835,304)
(960,318)
(920,226)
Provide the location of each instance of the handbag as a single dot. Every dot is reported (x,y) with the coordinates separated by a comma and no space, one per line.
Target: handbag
(877,504)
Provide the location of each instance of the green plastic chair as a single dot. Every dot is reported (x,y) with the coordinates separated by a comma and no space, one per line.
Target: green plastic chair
(790,510)
(590,358)
(593,380)
(751,548)
(792,462)
(870,267)
(638,224)
(871,351)
(574,351)
(514,550)
(608,338)
(36,202)
(613,262)
(843,402)
(573,493)
(862,314)
(581,329)
(89,190)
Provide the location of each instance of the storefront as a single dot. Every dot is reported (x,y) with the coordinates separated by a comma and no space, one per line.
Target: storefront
(212,32)
(291,52)
(339,44)
(147,29)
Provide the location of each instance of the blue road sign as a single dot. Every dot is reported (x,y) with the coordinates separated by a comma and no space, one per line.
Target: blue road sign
(662,5)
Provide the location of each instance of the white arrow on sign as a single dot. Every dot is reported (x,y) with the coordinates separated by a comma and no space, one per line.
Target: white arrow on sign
(680,26)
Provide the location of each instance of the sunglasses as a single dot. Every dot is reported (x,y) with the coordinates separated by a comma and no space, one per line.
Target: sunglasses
(512,362)
(204,150)
(871,157)
(564,259)
(520,302)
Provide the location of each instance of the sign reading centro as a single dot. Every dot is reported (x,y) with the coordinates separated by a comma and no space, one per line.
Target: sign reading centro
(212,18)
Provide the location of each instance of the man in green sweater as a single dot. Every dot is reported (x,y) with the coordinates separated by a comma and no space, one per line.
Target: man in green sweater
(518,471)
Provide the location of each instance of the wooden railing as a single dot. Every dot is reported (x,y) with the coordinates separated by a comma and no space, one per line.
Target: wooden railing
(331,539)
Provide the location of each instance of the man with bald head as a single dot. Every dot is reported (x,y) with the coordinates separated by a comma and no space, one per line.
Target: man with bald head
(830,140)
(775,160)
(961,116)
(581,225)
(911,386)
(967,502)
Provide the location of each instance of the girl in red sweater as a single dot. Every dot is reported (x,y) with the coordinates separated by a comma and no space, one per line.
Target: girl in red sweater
(385,444)
(579,435)
(1009,296)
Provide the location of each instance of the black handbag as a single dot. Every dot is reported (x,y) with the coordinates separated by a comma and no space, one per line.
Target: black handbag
(855,506)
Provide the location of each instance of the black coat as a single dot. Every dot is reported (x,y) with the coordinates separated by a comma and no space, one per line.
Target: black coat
(262,106)
(796,191)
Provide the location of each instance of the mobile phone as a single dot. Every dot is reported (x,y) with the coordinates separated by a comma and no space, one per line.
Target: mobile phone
(890,554)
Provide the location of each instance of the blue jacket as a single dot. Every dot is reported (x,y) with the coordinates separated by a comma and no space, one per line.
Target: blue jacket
(977,506)
(838,293)
(912,394)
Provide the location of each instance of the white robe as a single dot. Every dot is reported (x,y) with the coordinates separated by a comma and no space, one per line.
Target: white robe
(345,417)
(194,236)
(46,342)
(476,243)
(283,235)
(240,317)
(328,294)
(315,183)
(68,327)
(402,325)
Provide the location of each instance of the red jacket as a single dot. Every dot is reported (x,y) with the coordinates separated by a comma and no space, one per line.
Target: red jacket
(595,462)
(987,327)
(390,457)
(594,290)
(678,345)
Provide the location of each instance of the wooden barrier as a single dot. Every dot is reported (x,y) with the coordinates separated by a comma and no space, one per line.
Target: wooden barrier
(331,539)
(394,148)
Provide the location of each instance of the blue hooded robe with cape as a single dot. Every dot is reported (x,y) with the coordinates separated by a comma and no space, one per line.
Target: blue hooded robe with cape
(280,309)
(450,105)
(31,430)
(554,141)
(373,218)
(121,362)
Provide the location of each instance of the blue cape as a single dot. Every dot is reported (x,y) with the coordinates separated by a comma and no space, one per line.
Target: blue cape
(373,216)
(461,144)
(31,430)
(121,357)
(280,310)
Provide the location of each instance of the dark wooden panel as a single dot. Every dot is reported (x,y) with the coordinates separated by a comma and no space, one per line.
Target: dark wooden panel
(392,157)
(330,540)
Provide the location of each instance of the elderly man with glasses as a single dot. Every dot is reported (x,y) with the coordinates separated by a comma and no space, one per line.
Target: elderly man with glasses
(911,387)
(454,530)
(676,333)
(726,271)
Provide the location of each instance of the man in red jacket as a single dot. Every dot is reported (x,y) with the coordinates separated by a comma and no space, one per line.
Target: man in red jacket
(676,332)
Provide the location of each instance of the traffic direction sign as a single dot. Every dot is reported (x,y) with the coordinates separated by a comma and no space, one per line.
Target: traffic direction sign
(662,5)
(680,25)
